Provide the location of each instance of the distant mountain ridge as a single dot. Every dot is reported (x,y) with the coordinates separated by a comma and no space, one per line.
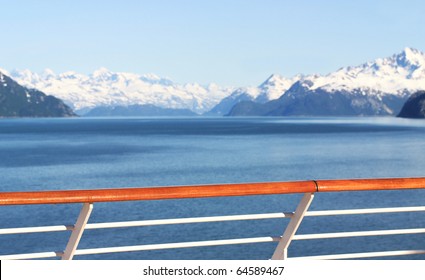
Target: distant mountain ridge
(19,101)
(379,87)
(376,88)
(107,88)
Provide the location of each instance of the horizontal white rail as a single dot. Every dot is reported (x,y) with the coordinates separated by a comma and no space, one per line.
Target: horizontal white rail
(176,245)
(358,233)
(365,211)
(145,247)
(35,229)
(148,223)
(31,256)
(362,255)
(189,220)
(209,219)
(240,241)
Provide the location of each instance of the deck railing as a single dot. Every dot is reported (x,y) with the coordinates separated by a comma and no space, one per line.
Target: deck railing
(308,188)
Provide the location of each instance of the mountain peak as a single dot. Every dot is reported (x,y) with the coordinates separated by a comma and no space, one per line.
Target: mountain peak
(274,87)
(48,73)
(272,80)
(102,71)
(411,51)
(151,76)
(70,75)
(410,57)
(276,80)
(4,72)
(274,77)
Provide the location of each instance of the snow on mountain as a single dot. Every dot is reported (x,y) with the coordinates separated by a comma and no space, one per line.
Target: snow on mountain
(274,87)
(5,72)
(19,101)
(270,89)
(379,87)
(107,88)
(398,74)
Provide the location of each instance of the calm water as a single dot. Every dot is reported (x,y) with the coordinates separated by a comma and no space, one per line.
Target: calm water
(50,154)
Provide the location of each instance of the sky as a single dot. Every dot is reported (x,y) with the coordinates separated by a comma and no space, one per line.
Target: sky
(228,42)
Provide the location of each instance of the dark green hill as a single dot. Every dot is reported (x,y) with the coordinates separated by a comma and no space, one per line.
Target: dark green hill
(414,106)
(19,101)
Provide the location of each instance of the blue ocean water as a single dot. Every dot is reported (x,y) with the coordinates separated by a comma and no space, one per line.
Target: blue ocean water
(84,153)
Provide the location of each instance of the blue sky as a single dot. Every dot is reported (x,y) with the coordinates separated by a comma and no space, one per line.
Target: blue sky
(236,43)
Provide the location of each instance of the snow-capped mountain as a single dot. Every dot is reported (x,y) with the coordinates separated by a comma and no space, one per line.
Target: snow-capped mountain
(19,101)
(393,75)
(270,89)
(107,88)
(379,87)
(274,87)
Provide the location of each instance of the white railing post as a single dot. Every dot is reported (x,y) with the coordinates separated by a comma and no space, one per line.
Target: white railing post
(77,232)
(281,251)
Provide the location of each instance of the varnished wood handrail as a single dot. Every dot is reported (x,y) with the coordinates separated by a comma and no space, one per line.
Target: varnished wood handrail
(370,184)
(156,193)
(203,191)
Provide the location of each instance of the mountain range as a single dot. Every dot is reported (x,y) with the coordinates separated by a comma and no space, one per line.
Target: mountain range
(378,87)
(105,88)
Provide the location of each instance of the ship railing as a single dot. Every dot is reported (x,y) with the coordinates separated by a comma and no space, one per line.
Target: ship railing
(308,188)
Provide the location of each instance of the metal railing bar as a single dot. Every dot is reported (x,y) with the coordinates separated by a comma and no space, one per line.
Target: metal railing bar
(36,229)
(363,255)
(31,256)
(281,251)
(188,220)
(76,234)
(365,211)
(176,245)
(358,234)
(211,219)
(148,223)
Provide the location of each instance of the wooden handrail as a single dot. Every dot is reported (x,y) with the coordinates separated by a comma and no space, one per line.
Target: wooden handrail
(156,193)
(370,184)
(203,191)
